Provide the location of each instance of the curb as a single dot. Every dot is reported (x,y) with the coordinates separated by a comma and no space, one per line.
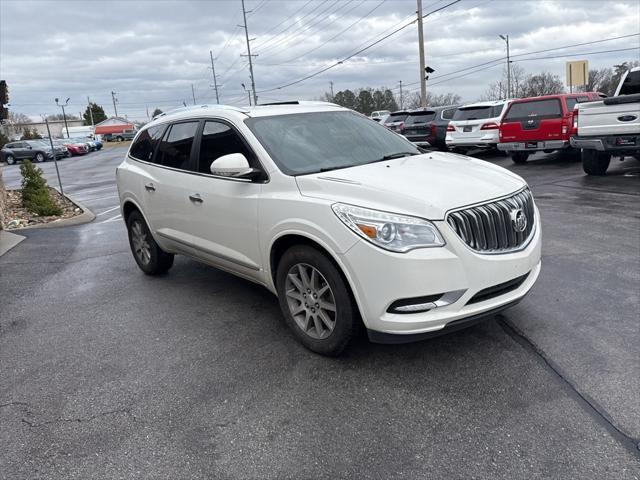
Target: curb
(8,240)
(85,217)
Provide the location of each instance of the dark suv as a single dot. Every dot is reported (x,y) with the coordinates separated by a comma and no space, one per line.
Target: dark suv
(428,126)
(24,150)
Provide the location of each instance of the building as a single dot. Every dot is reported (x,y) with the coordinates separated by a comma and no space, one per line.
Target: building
(114,125)
(15,130)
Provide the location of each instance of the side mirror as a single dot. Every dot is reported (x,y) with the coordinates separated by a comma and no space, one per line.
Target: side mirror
(233,165)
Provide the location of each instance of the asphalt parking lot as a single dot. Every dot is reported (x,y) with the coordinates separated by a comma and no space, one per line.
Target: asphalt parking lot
(108,373)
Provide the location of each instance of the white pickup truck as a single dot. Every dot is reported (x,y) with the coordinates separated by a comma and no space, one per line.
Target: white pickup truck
(609,127)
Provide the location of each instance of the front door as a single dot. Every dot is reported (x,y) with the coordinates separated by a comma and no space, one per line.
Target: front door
(224,221)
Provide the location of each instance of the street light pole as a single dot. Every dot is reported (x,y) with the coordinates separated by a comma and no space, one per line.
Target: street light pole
(64,115)
(248,92)
(53,151)
(506,39)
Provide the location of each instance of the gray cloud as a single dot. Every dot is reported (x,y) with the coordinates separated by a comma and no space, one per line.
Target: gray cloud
(150,52)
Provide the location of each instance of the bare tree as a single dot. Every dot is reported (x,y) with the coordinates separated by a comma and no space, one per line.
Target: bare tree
(498,90)
(413,99)
(544,83)
(17,117)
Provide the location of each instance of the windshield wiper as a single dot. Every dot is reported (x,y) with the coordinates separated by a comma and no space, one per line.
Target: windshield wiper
(391,156)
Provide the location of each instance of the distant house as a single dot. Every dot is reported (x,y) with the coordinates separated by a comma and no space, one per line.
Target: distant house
(114,125)
(15,130)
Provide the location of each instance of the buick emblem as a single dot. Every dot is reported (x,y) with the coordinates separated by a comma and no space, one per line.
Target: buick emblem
(518,220)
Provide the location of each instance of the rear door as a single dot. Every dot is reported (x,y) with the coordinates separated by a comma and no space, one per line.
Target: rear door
(533,121)
(166,185)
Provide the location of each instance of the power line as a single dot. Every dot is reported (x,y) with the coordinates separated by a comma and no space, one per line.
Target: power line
(356,53)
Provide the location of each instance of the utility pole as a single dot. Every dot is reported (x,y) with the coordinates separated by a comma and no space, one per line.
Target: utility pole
(248,92)
(215,81)
(506,39)
(114,99)
(193,94)
(401,99)
(64,115)
(423,80)
(246,34)
(90,111)
(332,95)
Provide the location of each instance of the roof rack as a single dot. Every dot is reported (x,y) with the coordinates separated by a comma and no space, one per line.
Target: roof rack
(197,107)
(298,102)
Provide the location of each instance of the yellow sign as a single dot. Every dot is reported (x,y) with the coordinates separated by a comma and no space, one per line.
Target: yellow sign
(577,73)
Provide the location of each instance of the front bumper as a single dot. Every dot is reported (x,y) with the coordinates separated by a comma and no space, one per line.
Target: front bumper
(533,146)
(379,278)
(608,143)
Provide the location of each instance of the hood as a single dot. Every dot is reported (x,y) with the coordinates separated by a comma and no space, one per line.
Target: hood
(426,185)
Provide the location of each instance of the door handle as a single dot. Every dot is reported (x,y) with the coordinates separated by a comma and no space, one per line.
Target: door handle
(149,187)
(196,198)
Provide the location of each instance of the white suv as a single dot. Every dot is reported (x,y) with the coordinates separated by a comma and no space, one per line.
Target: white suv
(344,220)
(476,125)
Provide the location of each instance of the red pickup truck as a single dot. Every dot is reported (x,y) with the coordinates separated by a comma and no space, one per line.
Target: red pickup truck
(540,123)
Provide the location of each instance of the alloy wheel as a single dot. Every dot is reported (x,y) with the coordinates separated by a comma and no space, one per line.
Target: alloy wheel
(141,247)
(311,301)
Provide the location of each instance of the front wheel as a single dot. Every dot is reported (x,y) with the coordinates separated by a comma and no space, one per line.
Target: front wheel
(595,162)
(151,259)
(10,159)
(315,300)
(519,157)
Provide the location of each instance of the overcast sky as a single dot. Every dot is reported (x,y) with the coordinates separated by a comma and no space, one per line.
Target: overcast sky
(151,52)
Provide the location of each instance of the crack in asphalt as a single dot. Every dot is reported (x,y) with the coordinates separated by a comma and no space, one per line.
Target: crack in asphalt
(588,404)
(27,410)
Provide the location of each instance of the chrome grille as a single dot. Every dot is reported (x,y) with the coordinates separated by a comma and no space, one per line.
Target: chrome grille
(489,228)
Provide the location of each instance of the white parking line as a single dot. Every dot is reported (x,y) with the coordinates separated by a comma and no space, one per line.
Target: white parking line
(82,199)
(112,219)
(108,210)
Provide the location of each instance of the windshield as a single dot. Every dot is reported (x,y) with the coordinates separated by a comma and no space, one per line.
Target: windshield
(313,142)
(477,113)
(422,117)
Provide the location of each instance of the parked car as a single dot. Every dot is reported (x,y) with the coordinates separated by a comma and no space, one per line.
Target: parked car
(59,150)
(395,120)
(344,220)
(76,147)
(609,127)
(476,126)
(22,150)
(124,135)
(428,126)
(540,124)
(380,115)
(93,144)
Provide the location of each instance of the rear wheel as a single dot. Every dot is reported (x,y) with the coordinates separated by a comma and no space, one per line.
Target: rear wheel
(519,157)
(151,259)
(315,300)
(595,162)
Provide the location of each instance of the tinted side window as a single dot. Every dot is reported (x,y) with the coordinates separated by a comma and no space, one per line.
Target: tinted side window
(219,139)
(145,144)
(540,108)
(175,148)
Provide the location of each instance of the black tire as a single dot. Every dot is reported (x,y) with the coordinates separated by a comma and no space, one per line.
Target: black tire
(39,157)
(10,159)
(595,162)
(519,157)
(345,319)
(157,261)
(120,139)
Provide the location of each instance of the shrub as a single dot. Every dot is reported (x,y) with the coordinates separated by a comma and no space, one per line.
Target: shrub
(35,193)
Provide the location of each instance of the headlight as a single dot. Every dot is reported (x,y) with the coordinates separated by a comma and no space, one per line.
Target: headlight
(398,233)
